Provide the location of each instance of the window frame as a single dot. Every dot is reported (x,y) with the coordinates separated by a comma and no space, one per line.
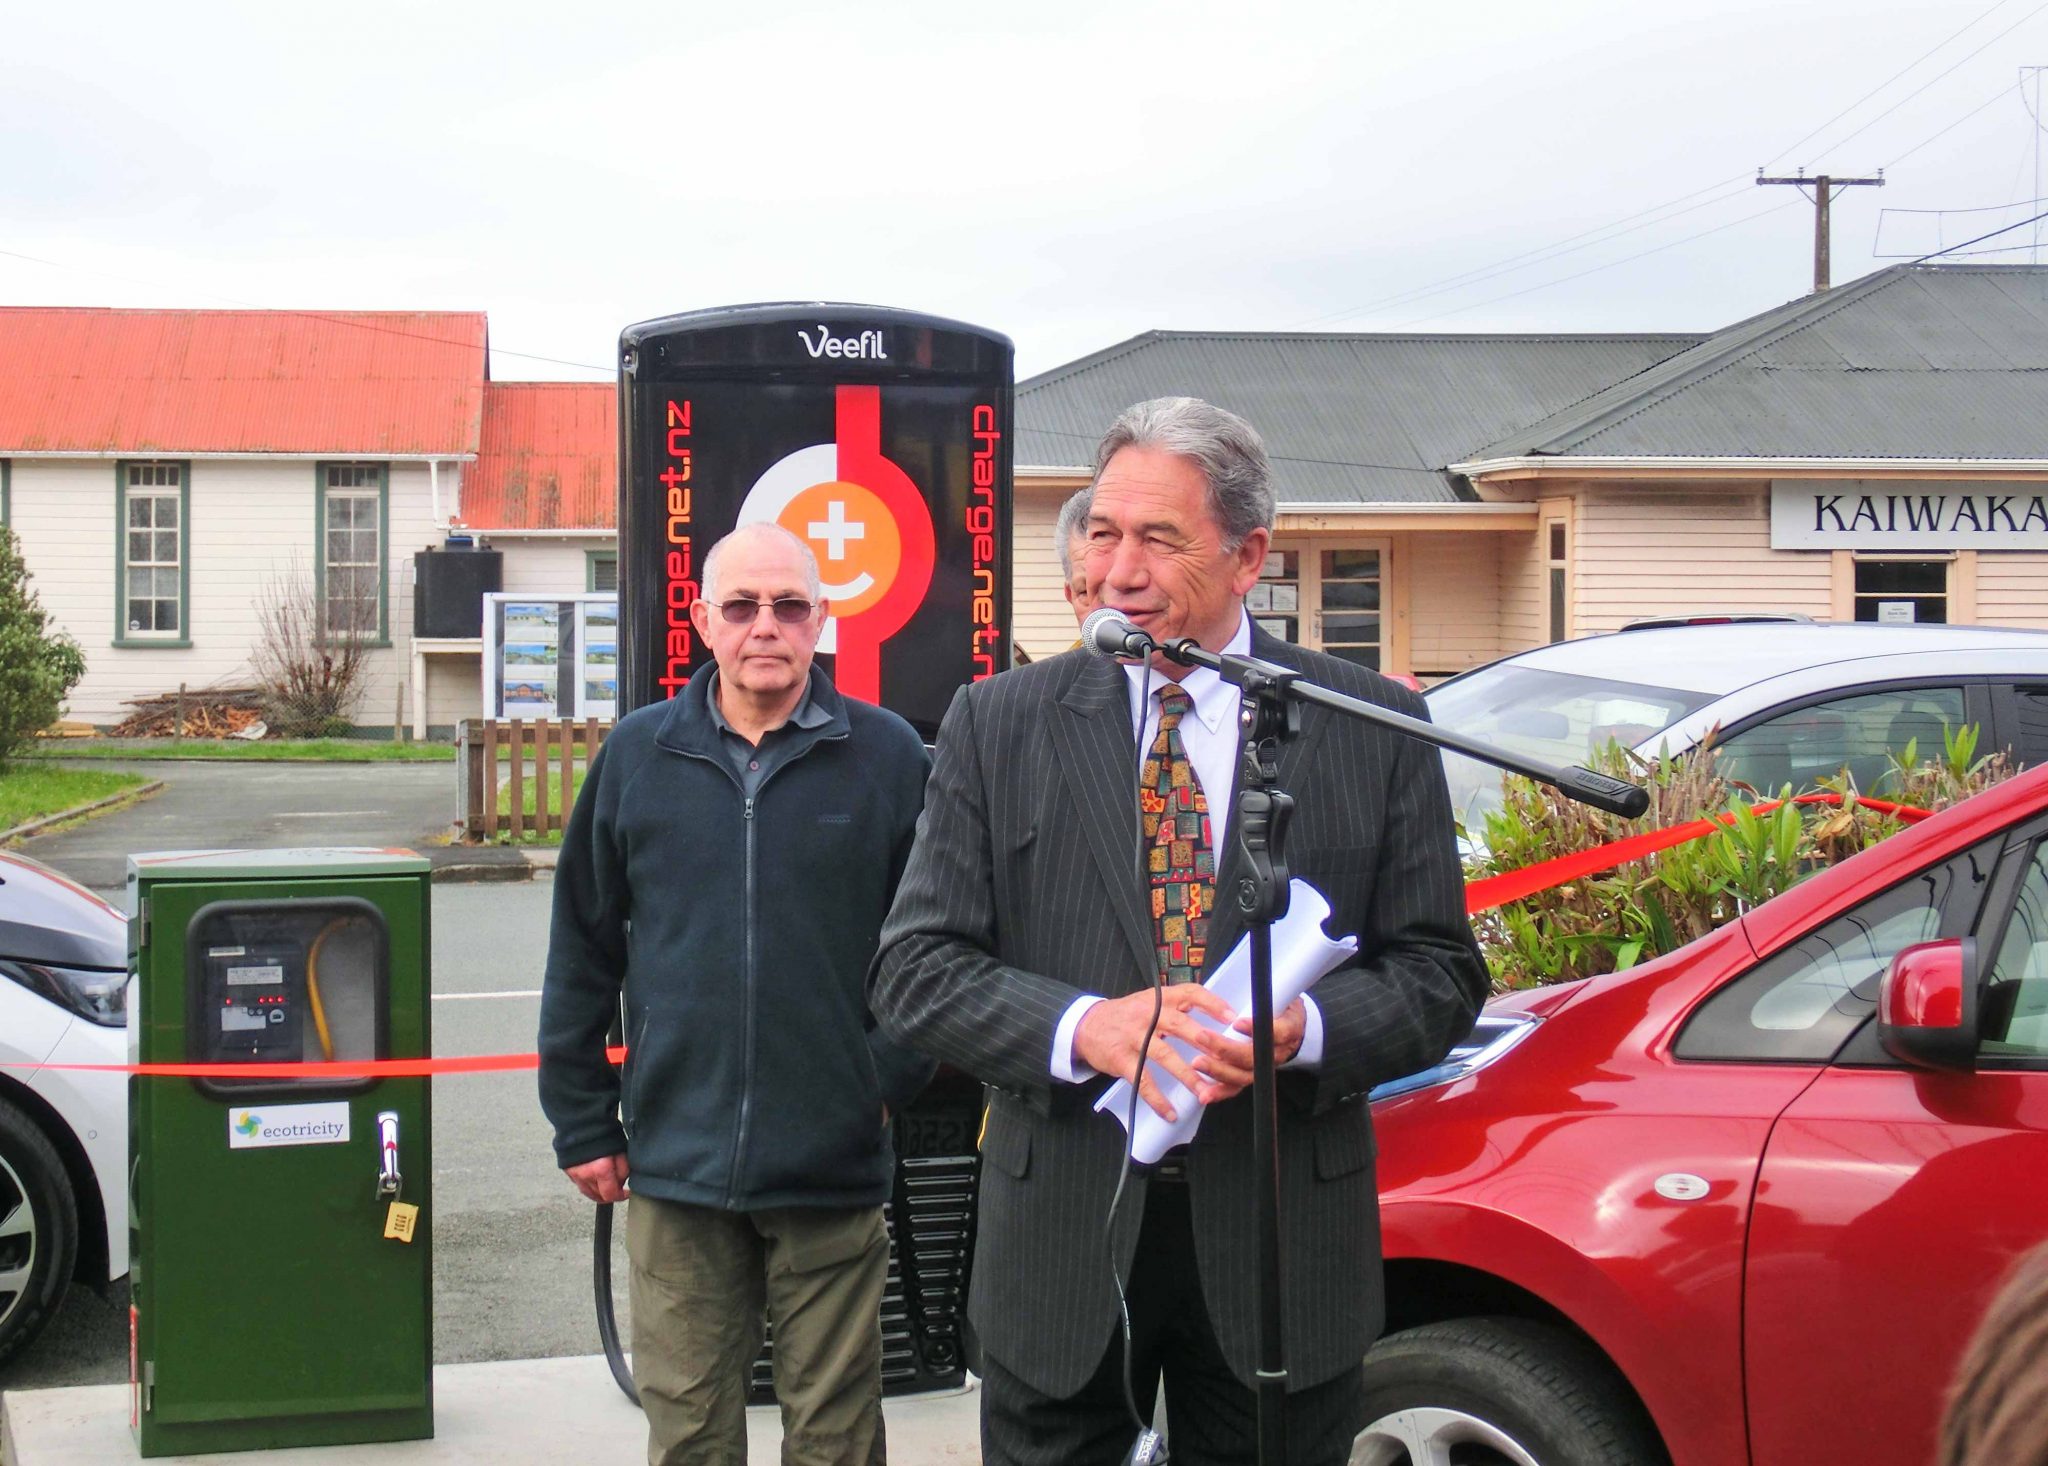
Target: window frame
(1310,547)
(1974,691)
(1961,913)
(322,491)
(1978,708)
(182,637)
(591,559)
(1948,597)
(2022,842)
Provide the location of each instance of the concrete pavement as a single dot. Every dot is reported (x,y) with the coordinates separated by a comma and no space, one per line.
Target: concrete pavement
(271,806)
(530,1411)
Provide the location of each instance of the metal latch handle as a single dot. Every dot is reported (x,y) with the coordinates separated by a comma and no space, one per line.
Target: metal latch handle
(388,1179)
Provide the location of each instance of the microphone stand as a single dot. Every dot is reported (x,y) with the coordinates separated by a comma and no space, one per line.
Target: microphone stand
(1270,713)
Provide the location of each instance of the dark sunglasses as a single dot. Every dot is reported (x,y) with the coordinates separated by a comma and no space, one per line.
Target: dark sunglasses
(790,610)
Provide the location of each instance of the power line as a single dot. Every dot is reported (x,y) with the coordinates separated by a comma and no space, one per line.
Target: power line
(1965,244)
(331,318)
(1996,96)
(1939,75)
(1558,251)
(1571,244)
(1505,265)
(1997,249)
(1626,259)
(1998,4)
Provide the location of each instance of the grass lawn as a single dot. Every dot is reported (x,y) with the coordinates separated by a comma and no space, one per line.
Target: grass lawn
(28,792)
(553,793)
(269,750)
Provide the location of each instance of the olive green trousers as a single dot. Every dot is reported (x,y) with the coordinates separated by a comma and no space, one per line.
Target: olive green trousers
(703,1284)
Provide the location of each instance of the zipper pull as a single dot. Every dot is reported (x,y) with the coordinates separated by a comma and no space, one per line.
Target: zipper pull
(750,807)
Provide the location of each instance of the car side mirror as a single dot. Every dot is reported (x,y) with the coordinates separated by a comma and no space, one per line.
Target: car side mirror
(1927,1006)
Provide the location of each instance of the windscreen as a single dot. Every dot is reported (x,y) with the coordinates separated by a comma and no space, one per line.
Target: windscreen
(1553,716)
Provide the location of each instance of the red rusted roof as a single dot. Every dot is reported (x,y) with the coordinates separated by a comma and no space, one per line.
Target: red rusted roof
(549,460)
(349,383)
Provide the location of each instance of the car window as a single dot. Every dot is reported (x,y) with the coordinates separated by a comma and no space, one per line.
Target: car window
(1552,716)
(2031,706)
(1816,742)
(1801,1004)
(2013,1012)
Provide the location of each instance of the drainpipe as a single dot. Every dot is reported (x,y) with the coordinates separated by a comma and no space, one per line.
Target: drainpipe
(434,490)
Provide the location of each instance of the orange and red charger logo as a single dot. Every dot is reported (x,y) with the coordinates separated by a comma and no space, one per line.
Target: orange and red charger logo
(866,522)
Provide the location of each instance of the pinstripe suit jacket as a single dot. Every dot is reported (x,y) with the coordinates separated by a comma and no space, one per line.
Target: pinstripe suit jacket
(1023,894)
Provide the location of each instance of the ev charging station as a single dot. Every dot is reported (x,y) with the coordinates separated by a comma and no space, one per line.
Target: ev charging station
(882,437)
(281,1222)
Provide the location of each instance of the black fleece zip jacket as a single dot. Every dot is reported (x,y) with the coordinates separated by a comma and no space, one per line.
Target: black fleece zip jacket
(740,933)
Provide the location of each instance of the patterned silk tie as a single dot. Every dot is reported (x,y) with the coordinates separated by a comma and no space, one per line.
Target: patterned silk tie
(1177,853)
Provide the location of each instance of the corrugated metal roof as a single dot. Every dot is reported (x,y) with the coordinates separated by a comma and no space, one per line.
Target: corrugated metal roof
(549,459)
(1347,418)
(348,383)
(1915,361)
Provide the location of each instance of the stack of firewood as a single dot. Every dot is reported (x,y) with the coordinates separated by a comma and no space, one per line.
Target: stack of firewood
(209,712)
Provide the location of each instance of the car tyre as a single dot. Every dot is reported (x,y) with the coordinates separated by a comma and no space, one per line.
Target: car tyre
(1498,1392)
(38,1230)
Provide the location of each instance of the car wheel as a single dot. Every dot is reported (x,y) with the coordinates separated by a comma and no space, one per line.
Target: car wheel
(38,1230)
(1497,1392)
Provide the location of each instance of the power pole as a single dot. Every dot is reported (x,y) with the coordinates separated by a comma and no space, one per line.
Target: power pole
(1824,186)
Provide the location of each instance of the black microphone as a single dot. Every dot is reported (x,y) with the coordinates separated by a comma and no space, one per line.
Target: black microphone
(1111,633)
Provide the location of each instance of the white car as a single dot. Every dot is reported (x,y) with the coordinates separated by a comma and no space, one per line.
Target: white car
(1794,700)
(63,1133)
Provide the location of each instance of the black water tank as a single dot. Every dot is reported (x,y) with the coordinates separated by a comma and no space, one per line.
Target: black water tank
(448,590)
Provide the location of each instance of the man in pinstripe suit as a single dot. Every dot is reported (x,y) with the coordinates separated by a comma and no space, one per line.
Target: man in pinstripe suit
(1021,949)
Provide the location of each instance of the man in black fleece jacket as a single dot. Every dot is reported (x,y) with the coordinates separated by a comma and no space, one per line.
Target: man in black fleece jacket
(728,866)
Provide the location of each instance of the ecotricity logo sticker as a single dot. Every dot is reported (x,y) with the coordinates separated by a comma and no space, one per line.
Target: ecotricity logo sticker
(270,1125)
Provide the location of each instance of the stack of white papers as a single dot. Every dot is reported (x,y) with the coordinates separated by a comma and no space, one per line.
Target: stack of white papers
(1301,955)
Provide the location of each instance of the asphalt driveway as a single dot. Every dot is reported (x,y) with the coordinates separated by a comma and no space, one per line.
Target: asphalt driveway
(256,806)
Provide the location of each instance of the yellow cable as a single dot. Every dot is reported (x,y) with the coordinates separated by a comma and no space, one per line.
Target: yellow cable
(313,988)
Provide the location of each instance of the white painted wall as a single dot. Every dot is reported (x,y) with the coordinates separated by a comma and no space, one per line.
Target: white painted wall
(1041,621)
(2012,590)
(1454,599)
(250,521)
(552,567)
(1646,552)
(1521,595)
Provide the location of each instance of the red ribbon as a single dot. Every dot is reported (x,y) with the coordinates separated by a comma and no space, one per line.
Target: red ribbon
(1481,895)
(1515,885)
(340,1069)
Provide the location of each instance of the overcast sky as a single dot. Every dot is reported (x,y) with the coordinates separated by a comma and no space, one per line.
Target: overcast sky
(1069,173)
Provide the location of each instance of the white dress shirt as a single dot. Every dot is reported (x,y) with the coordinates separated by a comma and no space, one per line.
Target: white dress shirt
(1210,733)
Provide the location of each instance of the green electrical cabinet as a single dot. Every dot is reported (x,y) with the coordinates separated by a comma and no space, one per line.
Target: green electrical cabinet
(282,1277)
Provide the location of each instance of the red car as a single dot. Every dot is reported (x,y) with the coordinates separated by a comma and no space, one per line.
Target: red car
(1745,1203)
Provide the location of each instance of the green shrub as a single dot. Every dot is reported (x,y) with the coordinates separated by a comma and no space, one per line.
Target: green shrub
(1615,919)
(37,666)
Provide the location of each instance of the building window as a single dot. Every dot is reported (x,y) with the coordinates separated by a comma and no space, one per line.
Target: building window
(6,494)
(154,514)
(1325,599)
(1275,602)
(350,566)
(601,570)
(1348,596)
(1902,591)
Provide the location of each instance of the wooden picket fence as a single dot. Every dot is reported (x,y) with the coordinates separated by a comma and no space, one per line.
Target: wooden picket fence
(487,748)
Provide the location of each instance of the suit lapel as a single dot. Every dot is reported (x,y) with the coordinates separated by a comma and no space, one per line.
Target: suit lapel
(1097,752)
(1296,759)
